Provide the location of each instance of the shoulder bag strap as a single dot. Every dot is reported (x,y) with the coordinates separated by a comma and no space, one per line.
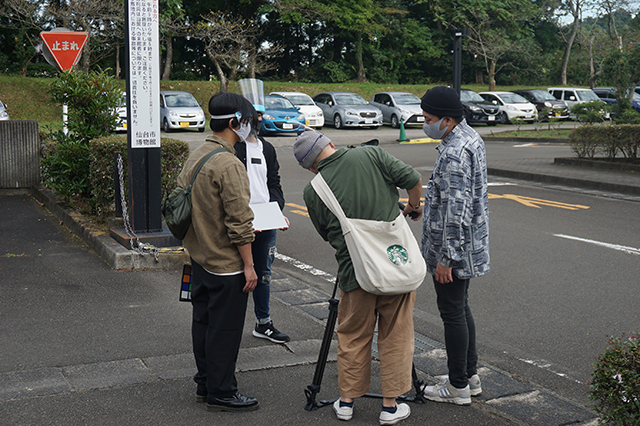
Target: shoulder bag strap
(329,199)
(204,160)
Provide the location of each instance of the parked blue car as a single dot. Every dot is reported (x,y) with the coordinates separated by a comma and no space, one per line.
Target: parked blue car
(609,96)
(281,116)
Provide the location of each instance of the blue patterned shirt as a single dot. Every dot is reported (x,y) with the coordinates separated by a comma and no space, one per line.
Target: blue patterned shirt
(455,230)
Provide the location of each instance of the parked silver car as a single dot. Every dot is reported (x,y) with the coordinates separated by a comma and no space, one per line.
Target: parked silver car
(396,106)
(180,110)
(346,109)
(4,115)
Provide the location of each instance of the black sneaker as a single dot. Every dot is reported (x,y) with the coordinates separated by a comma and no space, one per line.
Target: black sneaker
(268,331)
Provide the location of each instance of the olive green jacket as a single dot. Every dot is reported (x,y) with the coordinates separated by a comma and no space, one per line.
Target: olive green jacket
(221,218)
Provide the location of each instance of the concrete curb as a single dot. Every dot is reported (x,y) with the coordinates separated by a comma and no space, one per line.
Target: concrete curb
(117,256)
(560,180)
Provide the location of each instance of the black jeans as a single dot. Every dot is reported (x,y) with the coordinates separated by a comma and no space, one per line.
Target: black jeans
(459,330)
(219,308)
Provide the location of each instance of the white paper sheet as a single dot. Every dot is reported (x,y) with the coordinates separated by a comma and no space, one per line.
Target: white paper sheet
(267,216)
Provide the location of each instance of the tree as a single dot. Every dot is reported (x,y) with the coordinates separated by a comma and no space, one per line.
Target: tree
(172,24)
(496,29)
(231,45)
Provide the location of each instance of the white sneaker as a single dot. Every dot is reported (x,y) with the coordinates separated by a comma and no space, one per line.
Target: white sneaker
(402,412)
(446,392)
(475,385)
(343,413)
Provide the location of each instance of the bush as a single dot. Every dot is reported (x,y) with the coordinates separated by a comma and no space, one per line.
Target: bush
(608,141)
(92,99)
(591,112)
(65,165)
(615,385)
(173,154)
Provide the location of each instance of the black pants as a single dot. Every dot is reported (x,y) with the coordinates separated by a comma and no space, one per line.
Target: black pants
(459,330)
(219,308)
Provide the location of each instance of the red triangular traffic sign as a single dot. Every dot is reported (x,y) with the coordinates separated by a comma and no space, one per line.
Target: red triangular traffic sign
(65,46)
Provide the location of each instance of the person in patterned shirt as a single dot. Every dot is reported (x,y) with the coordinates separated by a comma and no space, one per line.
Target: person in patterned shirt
(455,237)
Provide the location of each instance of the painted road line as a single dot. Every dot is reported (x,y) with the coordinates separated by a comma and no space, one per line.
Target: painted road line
(298,209)
(526,145)
(307,268)
(630,250)
(537,202)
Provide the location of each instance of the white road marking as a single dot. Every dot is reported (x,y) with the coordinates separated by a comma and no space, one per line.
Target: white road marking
(501,184)
(307,268)
(630,250)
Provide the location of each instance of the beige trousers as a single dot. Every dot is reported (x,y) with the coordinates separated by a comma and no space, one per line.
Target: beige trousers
(357,315)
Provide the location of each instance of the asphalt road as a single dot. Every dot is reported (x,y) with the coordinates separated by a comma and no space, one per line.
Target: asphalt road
(561,281)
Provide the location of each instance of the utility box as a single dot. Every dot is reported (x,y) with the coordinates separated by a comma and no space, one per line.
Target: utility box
(19,154)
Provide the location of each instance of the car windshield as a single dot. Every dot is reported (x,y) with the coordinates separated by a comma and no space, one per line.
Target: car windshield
(406,99)
(277,103)
(300,99)
(513,98)
(180,100)
(542,95)
(470,96)
(349,99)
(587,95)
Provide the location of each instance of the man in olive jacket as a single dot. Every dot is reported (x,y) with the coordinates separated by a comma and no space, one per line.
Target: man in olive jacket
(219,243)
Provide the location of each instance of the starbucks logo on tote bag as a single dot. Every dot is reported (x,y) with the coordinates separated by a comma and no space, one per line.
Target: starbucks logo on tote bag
(398,255)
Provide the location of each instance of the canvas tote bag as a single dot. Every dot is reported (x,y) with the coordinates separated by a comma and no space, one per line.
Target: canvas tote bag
(385,255)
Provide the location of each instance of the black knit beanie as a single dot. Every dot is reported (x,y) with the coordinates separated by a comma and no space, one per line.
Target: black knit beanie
(442,101)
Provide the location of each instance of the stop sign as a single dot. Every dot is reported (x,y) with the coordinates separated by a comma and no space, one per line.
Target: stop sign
(64,46)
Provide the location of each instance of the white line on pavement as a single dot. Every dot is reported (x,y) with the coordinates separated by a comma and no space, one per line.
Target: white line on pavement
(305,267)
(630,250)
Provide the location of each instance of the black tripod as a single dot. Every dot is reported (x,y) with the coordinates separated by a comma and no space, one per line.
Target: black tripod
(313,389)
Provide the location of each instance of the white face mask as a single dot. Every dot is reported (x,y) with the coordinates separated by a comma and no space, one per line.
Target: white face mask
(243,133)
(433,130)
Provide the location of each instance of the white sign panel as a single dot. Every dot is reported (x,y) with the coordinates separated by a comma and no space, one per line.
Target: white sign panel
(144,74)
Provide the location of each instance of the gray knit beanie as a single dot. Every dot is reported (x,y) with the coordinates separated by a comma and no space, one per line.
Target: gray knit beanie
(308,146)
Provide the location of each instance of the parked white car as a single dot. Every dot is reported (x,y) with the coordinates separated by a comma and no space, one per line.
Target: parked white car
(311,111)
(573,96)
(122,114)
(513,105)
(4,115)
(180,110)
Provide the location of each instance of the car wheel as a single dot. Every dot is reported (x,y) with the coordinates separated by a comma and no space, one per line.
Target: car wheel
(503,118)
(337,121)
(165,126)
(394,122)
(201,129)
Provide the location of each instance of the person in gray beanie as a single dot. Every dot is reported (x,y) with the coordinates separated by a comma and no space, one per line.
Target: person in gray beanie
(455,246)
(364,181)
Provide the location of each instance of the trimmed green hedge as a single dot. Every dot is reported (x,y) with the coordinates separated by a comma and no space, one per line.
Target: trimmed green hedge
(609,141)
(174,154)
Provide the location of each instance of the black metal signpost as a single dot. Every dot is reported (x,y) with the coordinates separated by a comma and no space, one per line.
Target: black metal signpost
(143,115)
(457,57)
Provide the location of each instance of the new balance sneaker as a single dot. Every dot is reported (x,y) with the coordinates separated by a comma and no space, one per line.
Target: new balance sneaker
(268,331)
(446,392)
(402,412)
(475,386)
(343,412)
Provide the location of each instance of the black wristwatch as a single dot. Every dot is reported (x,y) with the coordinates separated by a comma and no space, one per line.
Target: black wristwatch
(414,207)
